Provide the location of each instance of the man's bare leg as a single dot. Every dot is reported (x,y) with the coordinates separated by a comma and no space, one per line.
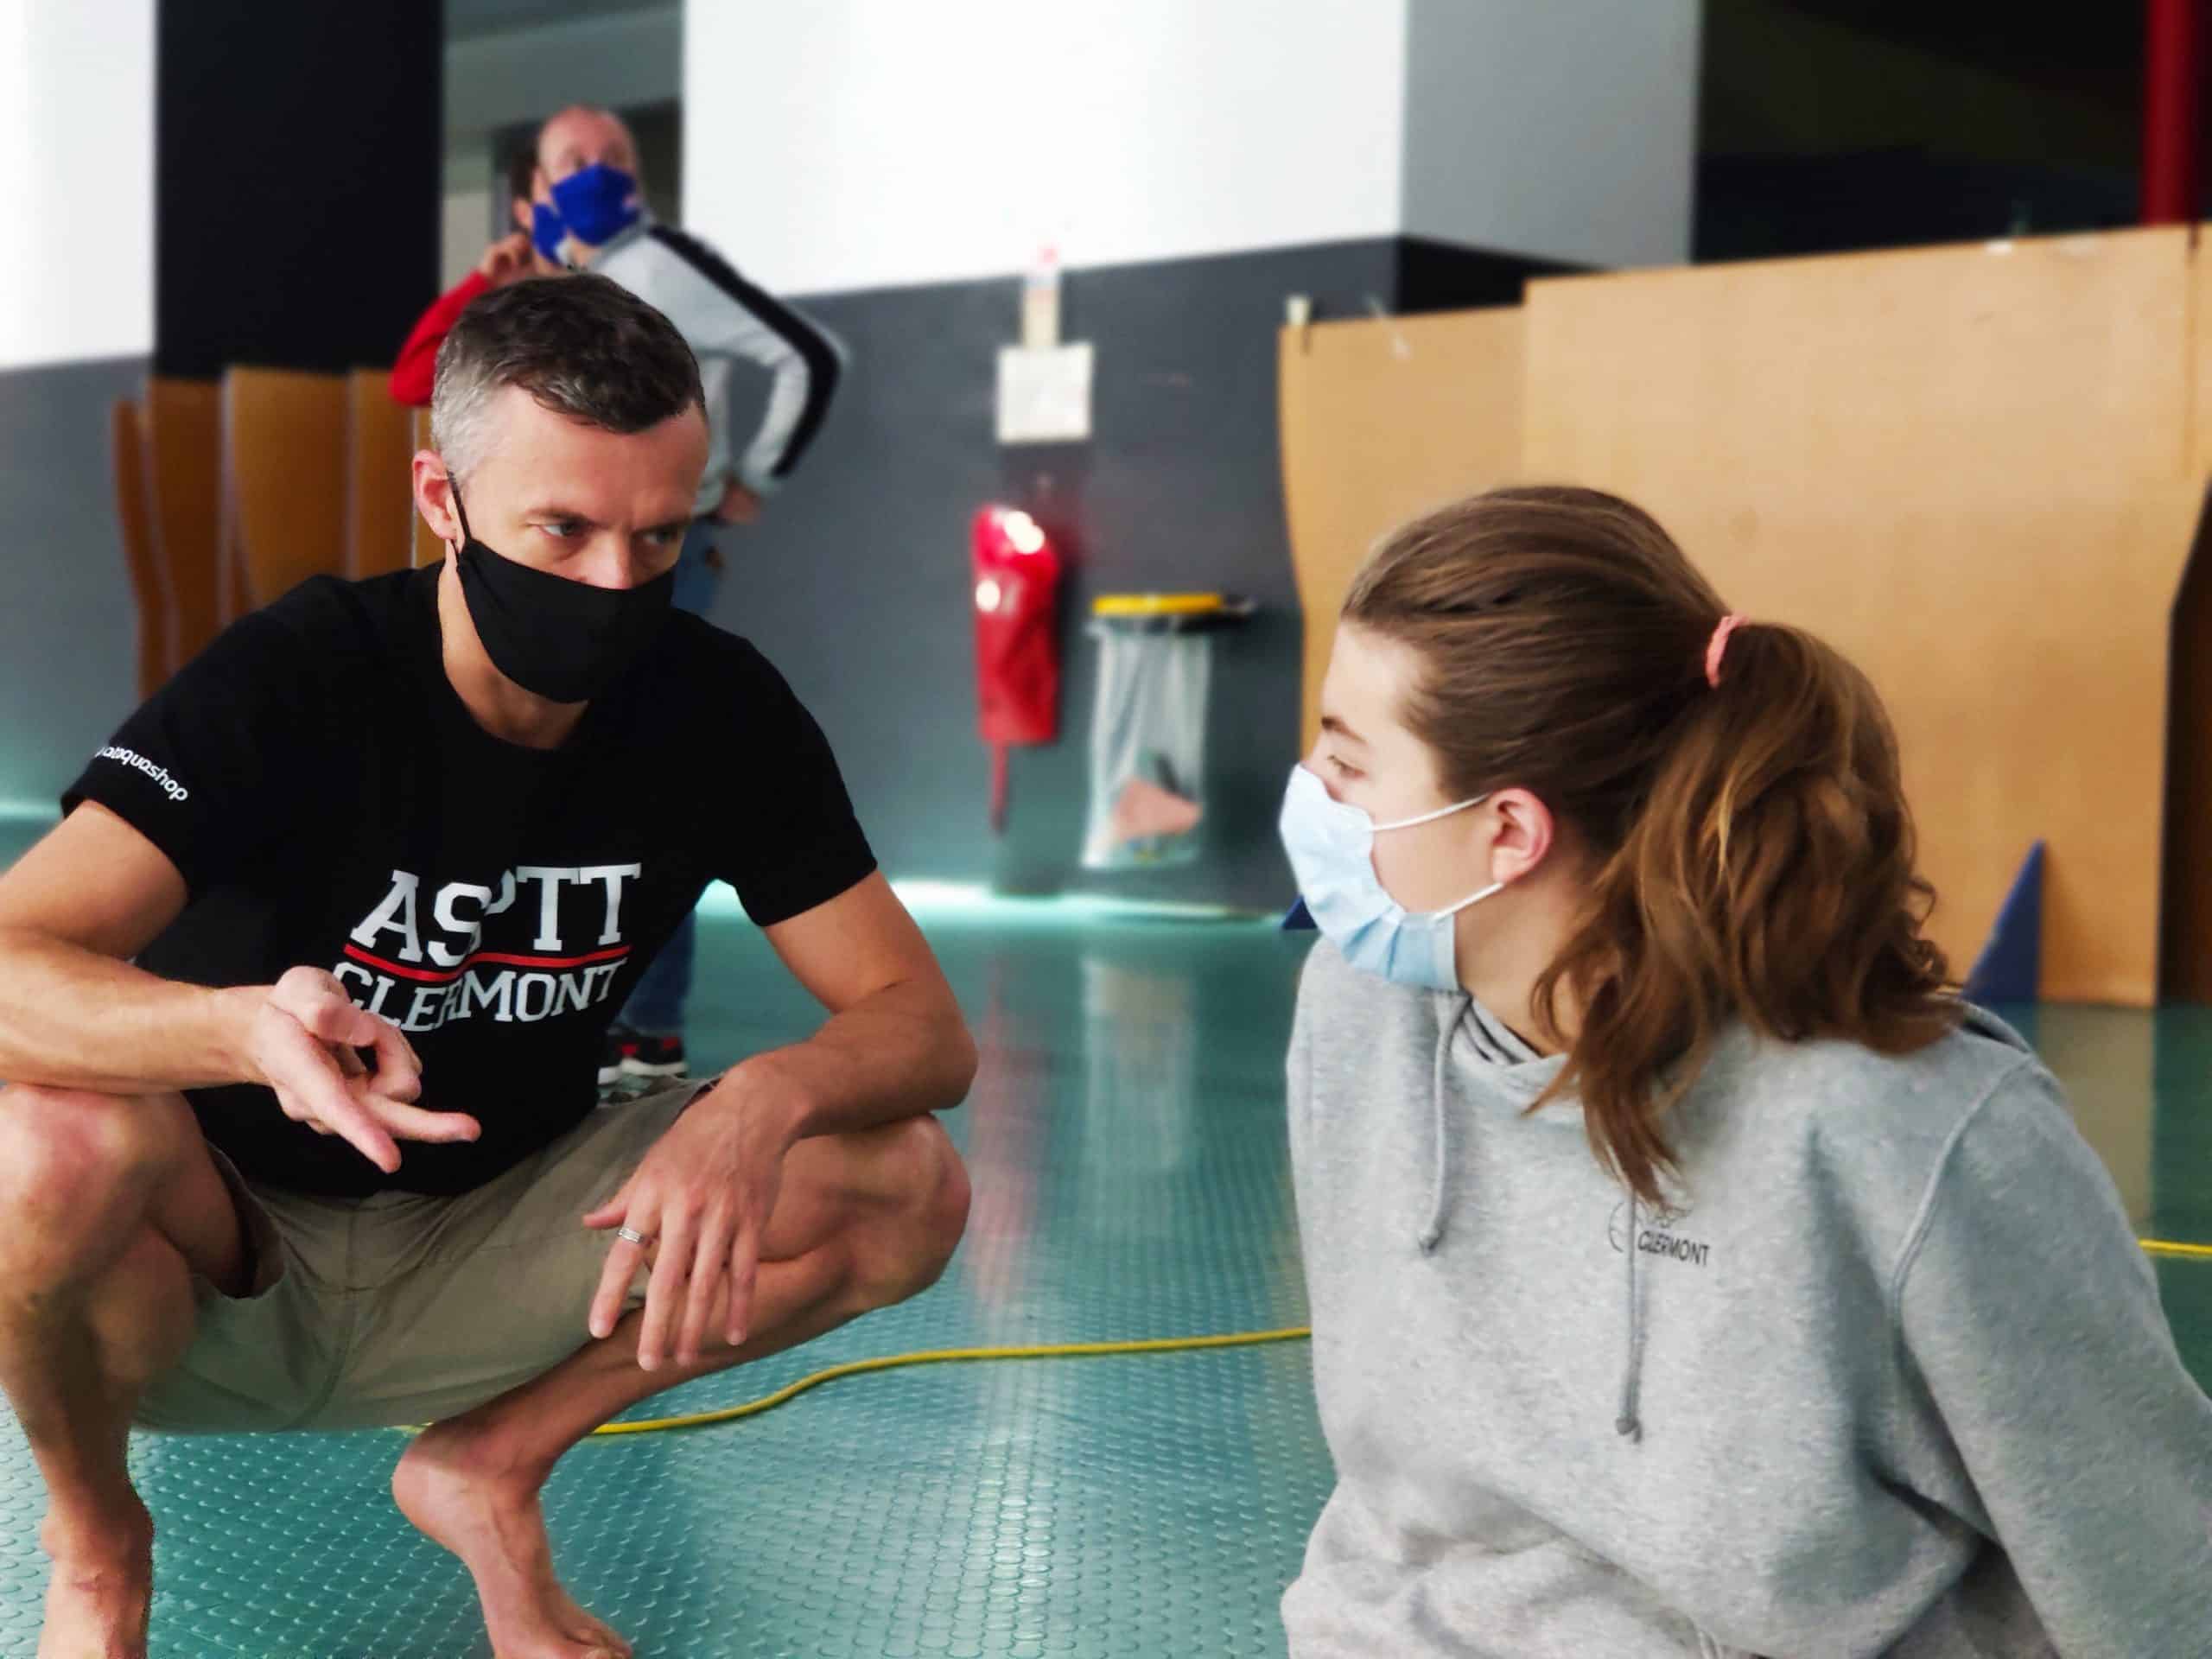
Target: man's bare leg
(107,1206)
(863,1221)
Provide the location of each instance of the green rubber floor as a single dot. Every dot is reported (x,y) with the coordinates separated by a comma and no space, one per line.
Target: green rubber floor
(1129,1181)
(1129,1168)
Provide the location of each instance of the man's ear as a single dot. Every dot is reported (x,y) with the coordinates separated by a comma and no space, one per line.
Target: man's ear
(433,496)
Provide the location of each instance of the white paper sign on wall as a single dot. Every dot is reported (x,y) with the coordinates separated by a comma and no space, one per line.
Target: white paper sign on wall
(1045,396)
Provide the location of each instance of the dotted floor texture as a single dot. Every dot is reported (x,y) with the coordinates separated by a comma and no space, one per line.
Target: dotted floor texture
(1130,1181)
(1127,1153)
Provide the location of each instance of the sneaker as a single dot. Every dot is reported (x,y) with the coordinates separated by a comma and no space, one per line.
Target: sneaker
(620,1044)
(652,1057)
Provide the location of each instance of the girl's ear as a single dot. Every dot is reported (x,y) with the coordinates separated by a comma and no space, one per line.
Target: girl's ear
(1521,830)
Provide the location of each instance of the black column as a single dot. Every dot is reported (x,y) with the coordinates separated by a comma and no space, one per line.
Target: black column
(298,172)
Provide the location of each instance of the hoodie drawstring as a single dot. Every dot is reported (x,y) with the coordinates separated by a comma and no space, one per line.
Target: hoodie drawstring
(1440,1133)
(1629,1424)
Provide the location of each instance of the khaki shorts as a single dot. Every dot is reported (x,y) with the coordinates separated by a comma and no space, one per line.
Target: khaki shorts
(404,1309)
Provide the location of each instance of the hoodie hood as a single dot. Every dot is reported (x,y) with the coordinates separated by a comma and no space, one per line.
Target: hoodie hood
(1473,1041)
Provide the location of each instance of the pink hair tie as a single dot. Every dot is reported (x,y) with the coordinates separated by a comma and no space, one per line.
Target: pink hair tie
(1719,648)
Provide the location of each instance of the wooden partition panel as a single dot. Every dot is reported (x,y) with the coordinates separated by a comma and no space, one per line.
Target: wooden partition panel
(428,550)
(236,591)
(284,470)
(1382,420)
(2186,954)
(1968,469)
(379,504)
(184,481)
(156,613)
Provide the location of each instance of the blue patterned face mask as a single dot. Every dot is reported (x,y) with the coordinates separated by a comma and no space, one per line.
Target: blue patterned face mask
(597,203)
(546,230)
(1331,848)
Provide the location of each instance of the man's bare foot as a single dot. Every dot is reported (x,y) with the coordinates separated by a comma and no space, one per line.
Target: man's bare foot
(101,1589)
(491,1521)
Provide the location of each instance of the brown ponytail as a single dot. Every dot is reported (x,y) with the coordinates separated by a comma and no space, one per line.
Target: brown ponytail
(1752,852)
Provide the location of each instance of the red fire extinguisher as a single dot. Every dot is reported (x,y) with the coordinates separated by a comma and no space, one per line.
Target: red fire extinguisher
(1017,583)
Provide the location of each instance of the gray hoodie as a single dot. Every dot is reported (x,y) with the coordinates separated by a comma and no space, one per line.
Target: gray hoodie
(1888,1375)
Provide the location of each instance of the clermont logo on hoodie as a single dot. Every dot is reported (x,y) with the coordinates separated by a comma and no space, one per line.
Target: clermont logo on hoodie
(1655,1233)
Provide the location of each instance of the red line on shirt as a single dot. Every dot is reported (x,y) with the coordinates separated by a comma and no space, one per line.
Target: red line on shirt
(438,975)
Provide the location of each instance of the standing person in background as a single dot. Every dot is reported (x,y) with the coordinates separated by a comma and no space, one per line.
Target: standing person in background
(580,204)
(587,169)
(532,249)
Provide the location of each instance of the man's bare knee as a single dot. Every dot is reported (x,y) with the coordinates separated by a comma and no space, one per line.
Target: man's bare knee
(78,1173)
(141,1310)
(902,1250)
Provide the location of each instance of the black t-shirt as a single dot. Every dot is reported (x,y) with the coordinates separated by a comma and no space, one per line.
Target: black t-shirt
(330,801)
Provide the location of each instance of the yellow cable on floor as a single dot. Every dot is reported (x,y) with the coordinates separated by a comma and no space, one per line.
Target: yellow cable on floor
(952,1356)
(1069,1350)
(2168,1247)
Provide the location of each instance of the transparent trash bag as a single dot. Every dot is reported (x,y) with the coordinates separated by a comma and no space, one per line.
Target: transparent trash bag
(1149,731)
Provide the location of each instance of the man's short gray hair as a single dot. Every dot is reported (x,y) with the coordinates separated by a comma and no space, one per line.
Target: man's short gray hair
(581,345)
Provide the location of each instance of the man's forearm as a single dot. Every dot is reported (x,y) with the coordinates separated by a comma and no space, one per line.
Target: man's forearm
(72,1019)
(902,1053)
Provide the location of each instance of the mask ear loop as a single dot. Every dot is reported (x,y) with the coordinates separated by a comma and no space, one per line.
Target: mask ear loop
(1431,818)
(1473,898)
(453,488)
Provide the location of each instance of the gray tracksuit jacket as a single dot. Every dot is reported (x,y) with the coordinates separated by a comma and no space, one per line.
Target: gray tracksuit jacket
(1889,1376)
(726,319)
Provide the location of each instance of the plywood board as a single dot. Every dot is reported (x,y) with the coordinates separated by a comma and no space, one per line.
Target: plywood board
(428,550)
(1968,469)
(2186,945)
(379,502)
(184,479)
(1382,420)
(2185,953)
(285,469)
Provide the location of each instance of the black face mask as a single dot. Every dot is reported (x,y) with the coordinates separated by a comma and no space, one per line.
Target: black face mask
(564,640)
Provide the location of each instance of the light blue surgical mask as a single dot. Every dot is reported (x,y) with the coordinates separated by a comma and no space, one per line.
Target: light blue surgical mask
(1331,848)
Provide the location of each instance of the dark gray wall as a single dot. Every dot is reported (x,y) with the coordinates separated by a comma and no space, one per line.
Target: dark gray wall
(1826,126)
(1564,129)
(856,582)
(67,635)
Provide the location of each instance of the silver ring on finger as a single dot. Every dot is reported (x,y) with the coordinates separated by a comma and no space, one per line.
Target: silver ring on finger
(631,1236)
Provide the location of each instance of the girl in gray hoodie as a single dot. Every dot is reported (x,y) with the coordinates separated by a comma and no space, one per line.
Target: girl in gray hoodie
(1692,1272)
